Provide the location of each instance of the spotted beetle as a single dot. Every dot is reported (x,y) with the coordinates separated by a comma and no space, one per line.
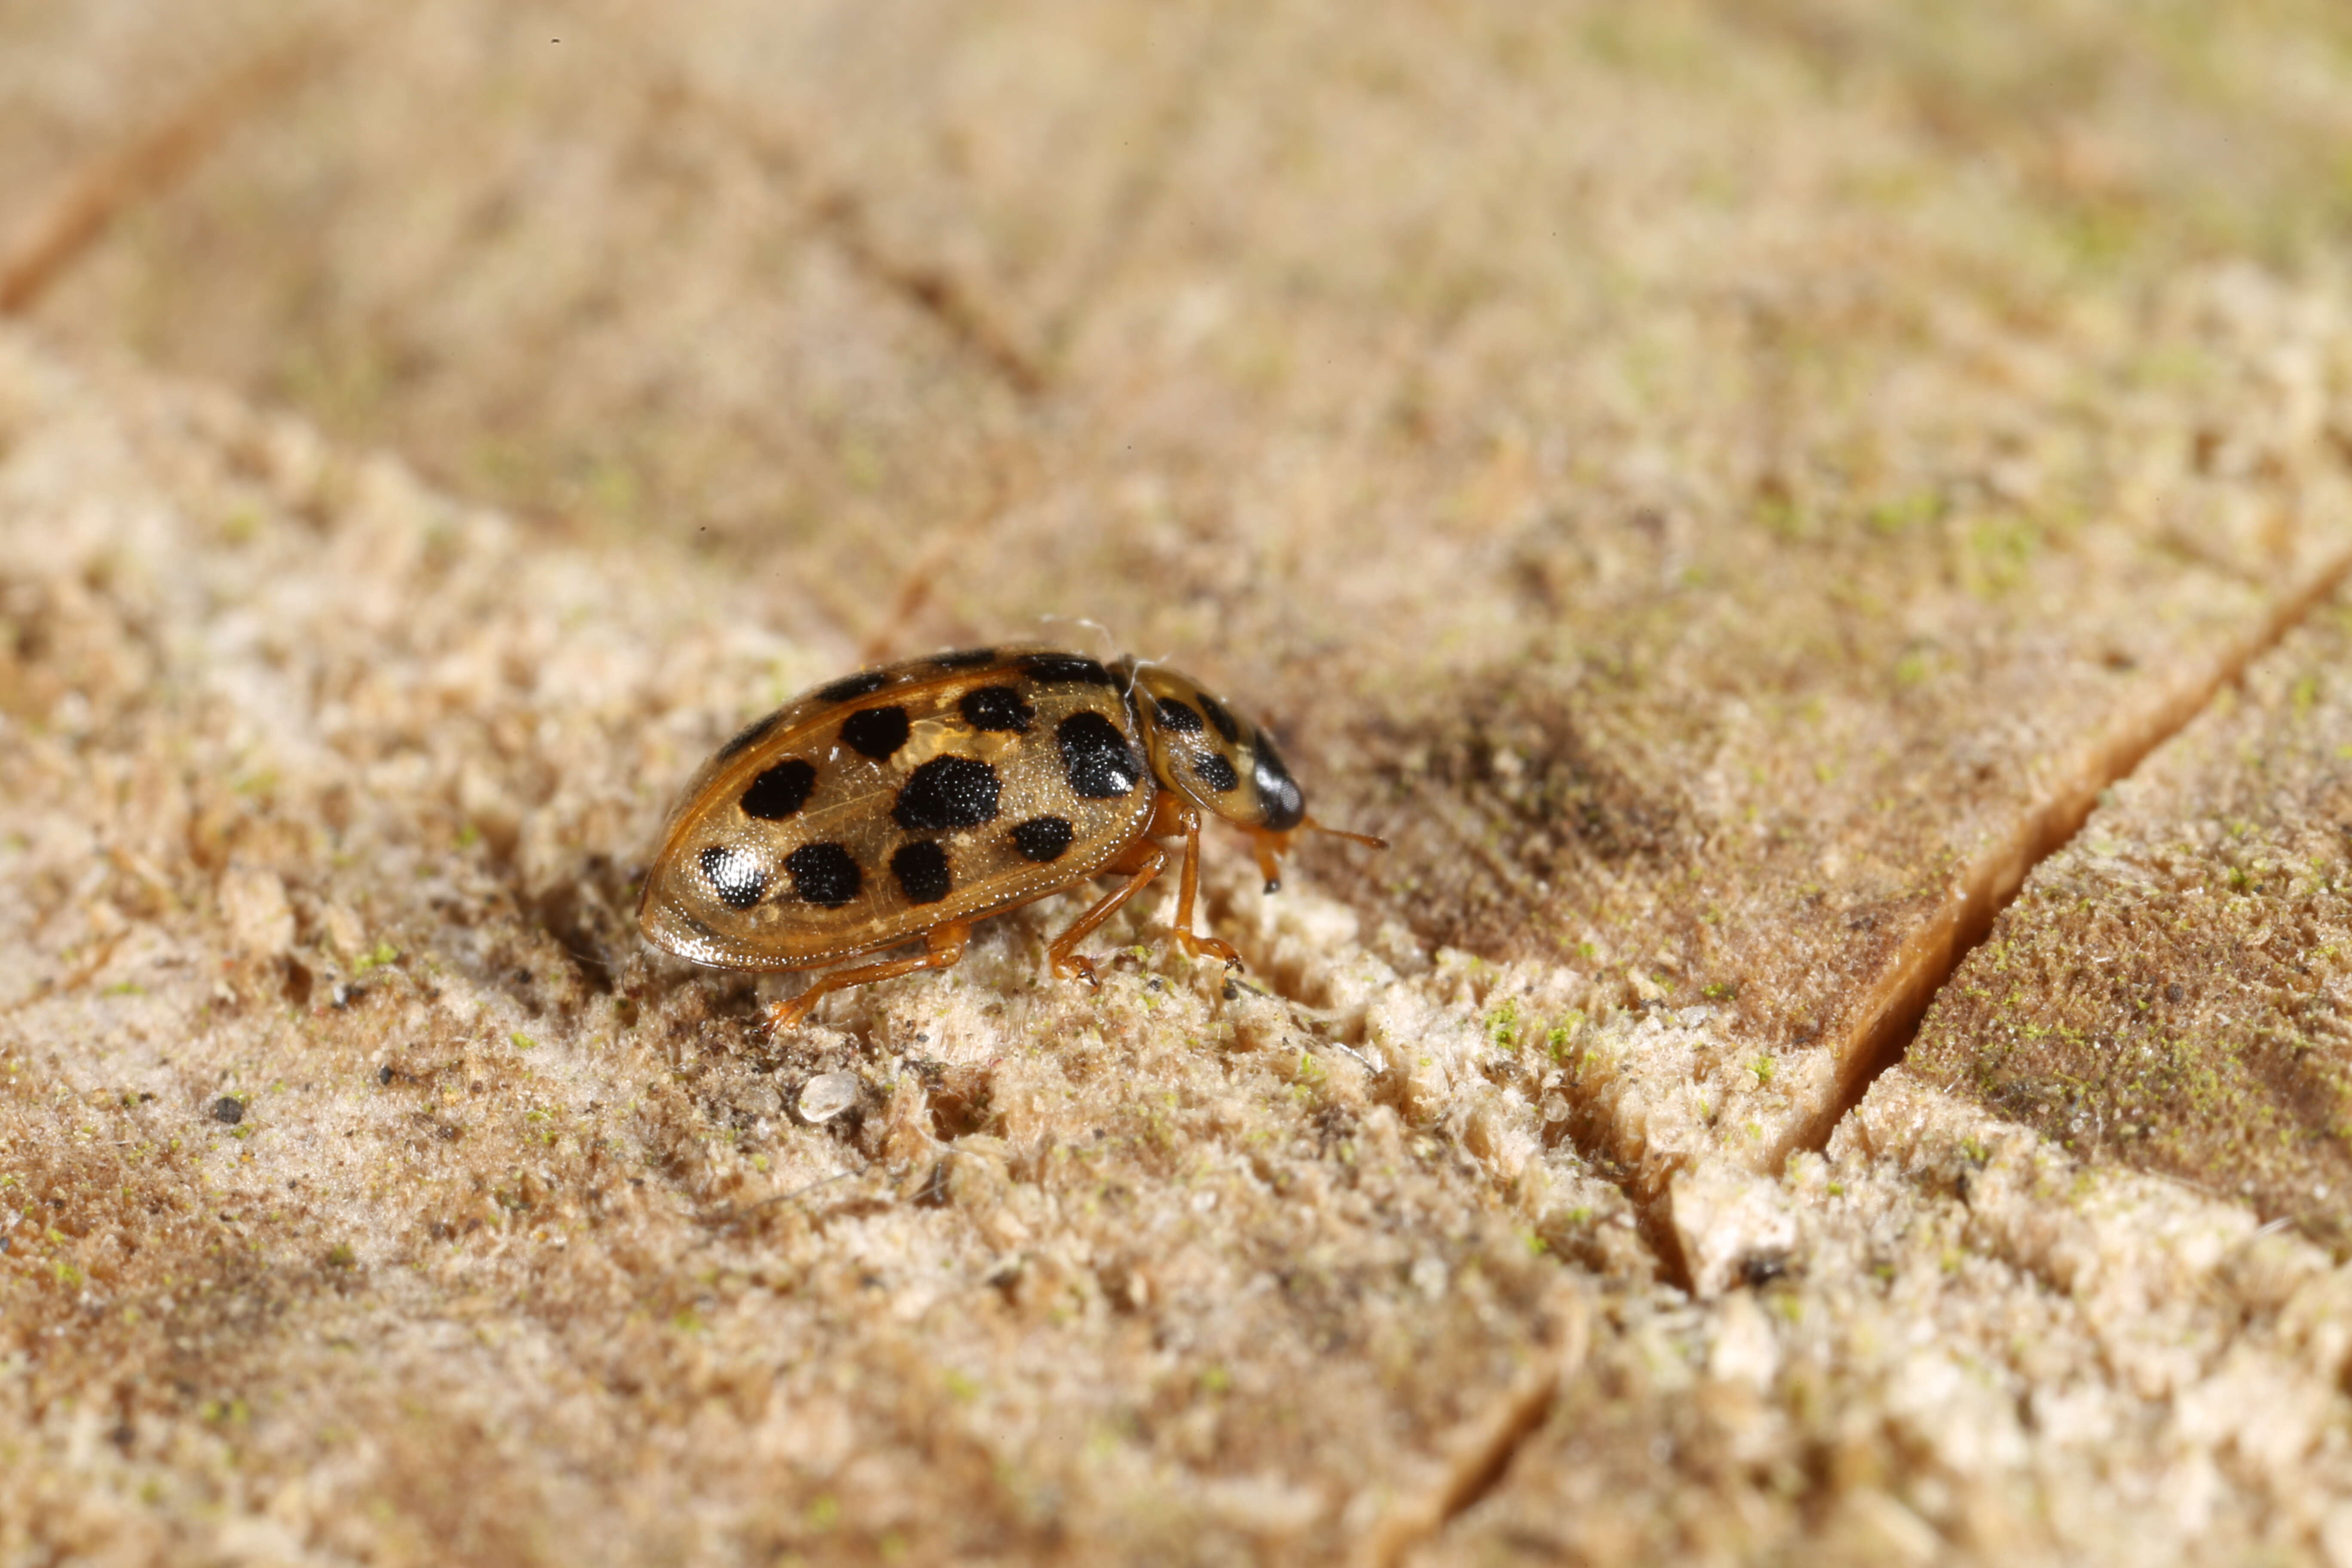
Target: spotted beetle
(903,803)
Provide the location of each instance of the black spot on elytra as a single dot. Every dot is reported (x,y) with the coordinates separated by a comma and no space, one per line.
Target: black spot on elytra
(948,792)
(875,732)
(780,791)
(1065,669)
(1043,838)
(998,708)
(1221,718)
(965,658)
(1178,717)
(1281,803)
(923,872)
(1211,769)
(748,736)
(1096,757)
(851,686)
(734,874)
(824,874)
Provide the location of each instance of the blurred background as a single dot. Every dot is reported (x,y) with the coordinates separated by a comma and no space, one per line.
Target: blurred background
(854,285)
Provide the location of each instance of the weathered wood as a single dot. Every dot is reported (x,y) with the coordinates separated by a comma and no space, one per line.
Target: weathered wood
(1725,489)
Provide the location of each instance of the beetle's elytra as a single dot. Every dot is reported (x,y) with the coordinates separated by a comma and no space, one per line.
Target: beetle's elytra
(902,803)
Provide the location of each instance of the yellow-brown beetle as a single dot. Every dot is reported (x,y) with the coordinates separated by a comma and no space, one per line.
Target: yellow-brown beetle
(905,803)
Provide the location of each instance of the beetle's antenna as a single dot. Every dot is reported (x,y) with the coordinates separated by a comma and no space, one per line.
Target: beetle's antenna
(1272,845)
(1369,840)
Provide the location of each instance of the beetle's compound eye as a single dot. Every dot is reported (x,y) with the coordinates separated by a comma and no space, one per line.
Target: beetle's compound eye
(1281,800)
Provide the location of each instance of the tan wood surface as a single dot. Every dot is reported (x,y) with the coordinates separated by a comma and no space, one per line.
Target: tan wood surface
(1728,489)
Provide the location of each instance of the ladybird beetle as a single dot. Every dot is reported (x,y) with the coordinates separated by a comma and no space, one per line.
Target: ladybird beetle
(903,803)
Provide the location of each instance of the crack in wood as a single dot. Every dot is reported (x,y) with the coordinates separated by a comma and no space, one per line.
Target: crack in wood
(1483,1452)
(57,233)
(1928,957)
(838,210)
(932,291)
(1476,1455)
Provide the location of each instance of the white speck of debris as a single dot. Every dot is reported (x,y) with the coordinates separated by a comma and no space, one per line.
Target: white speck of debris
(827,1095)
(1743,1350)
(259,917)
(1429,1277)
(343,930)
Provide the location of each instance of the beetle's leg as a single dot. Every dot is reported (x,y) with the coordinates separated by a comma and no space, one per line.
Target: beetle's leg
(943,946)
(1140,862)
(1189,884)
